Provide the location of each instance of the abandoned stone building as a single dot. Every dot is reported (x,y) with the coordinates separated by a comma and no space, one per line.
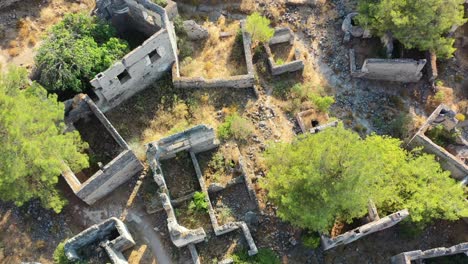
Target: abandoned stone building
(194,140)
(147,62)
(453,154)
(115,166)
(112,235)
(387,69)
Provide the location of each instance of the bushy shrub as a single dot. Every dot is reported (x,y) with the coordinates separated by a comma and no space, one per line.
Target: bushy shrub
(311,240)
(77,48)
(264,256)
(322,103)
(198,203)
(259,27)
(236,127)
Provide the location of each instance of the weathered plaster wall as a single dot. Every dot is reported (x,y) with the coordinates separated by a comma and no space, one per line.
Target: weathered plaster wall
(113,174)
(239,81)
(146,63)
(97,233)
(364,230)
(415,255)
(448,162)
(398,70)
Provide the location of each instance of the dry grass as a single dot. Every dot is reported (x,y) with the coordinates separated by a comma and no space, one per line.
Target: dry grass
(216,58)
(444,95)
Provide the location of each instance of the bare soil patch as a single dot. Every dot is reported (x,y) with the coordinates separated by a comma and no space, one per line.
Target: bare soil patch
(180,175)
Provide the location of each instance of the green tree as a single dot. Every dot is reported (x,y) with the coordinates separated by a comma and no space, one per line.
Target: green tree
(416,24)
(259,27)
(331,175)
(33,144)
(75,51)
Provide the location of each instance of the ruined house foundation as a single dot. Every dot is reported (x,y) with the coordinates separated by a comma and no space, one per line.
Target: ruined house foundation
(283,36)
(111,234)
(194,140)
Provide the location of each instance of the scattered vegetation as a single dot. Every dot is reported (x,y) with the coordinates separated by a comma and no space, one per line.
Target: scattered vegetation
(264,256)
(60,257)
(77,48)
(337,168)
(311,240)
(279,62)
(34,146)
(303,96)
(235,126)
(162,3)
(198,203)
(259,28)
(442,136)
(408,21)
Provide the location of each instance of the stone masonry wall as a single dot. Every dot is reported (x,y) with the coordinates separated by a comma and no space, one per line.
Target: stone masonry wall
(239,81)
(146,63)
(398,70)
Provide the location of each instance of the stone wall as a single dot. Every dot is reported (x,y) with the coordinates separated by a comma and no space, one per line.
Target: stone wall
(113,174)
(97,234)
(194,140)
(416,256)
(283,35)
(448,161)
(378,224)
(398,70)
(238,81)
(146,63)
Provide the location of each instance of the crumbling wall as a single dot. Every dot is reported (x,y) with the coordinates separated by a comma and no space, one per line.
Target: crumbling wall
(98,233)
(283,35)
(238,81)
(113,174)
(415,255)
(378,224)
(448,161)
(146,63)
(398,70)
(194,140)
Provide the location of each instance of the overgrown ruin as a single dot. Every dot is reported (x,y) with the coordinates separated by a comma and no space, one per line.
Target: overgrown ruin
(454,155)
(91,186)
(195,140)
(279,50)
(112,235)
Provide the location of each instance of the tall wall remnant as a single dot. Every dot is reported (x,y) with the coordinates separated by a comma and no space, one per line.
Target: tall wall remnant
(446,117)
(195,140)
(119,170)
(111,234)
(376,224)
(146,63)
(418,255)
(397,70)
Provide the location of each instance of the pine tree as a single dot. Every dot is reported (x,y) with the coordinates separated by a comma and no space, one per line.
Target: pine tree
(34,147)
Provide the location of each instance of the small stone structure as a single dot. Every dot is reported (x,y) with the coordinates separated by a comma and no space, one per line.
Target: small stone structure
(313,125)
(146,63)
(283,35)
(397,70)
(350,30)
(238,81)
(416,256)
(444,116)
(111,175)
(111,234)
(195,140)
(376,224)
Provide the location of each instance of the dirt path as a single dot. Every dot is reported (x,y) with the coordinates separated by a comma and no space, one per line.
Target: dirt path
(150,236)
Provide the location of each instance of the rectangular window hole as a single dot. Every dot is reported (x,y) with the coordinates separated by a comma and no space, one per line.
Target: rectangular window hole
(123,76)
(154,56)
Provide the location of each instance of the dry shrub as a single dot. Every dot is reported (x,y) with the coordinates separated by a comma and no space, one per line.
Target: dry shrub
(247,6)
(444,95)
(463,106)
(32,40)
